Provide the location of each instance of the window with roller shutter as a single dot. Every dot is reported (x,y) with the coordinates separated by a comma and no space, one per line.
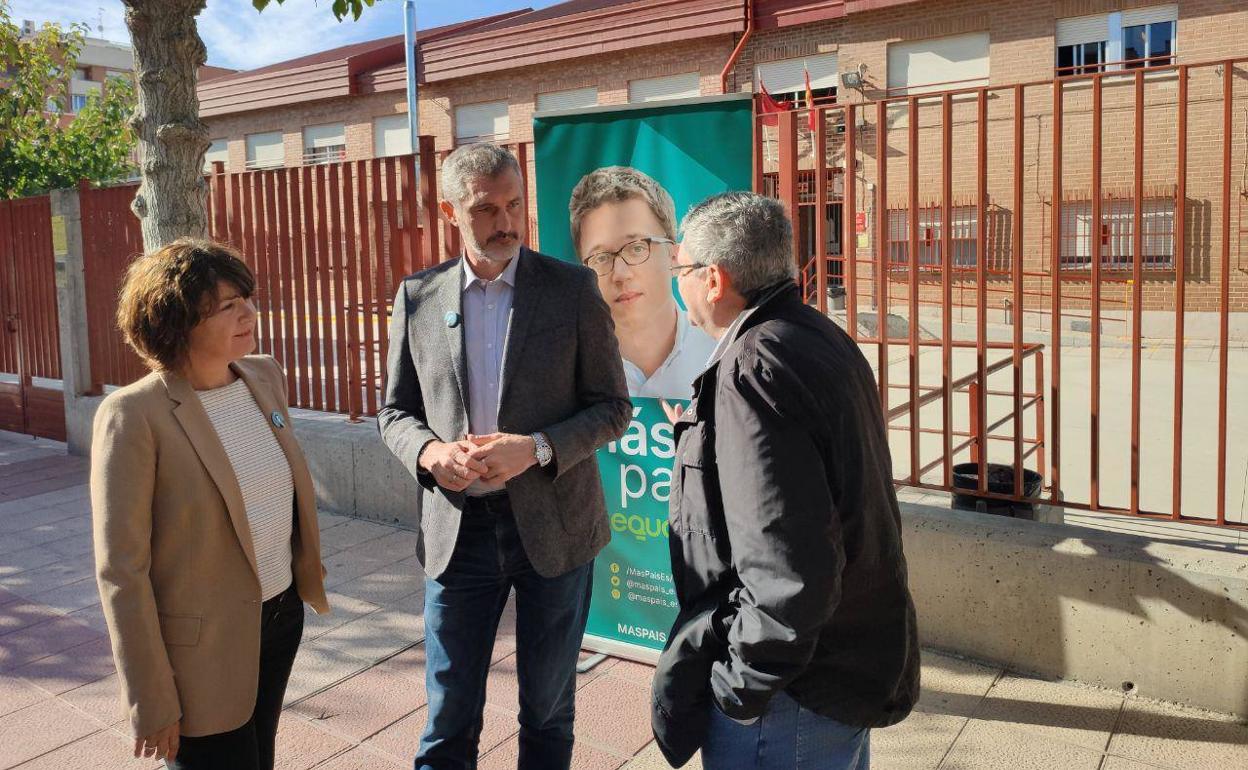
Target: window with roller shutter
(486,122)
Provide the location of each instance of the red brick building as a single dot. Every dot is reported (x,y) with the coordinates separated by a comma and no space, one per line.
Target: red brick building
(484,78)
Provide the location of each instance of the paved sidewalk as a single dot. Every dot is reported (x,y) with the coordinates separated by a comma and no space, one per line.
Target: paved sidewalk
(356,699)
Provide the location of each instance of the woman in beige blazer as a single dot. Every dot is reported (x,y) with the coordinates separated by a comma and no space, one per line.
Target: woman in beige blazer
(206,538)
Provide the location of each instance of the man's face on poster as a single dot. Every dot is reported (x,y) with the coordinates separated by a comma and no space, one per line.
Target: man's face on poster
(631,291)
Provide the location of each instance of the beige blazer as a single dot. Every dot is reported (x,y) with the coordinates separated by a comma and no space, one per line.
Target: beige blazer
(173,551)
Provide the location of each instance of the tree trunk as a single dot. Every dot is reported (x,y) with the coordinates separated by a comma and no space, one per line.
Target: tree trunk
(172,141)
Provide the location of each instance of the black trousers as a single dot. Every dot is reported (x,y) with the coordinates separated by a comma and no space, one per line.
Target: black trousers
(250,747)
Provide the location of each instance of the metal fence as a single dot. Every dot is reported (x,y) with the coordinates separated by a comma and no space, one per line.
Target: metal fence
(1107,199)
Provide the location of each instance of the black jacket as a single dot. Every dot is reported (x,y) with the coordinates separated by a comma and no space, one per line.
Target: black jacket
(785,537)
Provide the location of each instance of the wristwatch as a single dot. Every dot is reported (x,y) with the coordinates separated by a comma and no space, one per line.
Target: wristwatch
(541,449)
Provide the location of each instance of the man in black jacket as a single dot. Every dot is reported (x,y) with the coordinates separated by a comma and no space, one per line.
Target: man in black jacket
(796,631)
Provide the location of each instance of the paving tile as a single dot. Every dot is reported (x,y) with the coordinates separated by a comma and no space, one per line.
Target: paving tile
(18,648)
(38,729)
(352,532)
(991,746)
(599,706)
(301,744)
(70,669)
(16,615)
(105,749)
(16,693)
(402,739)
(504,756)
(1059,711)
(502,689)
(651,758)
(8,597)
(48,577)
(343,610)
(919,742)
(70,597)
(376,636)
(363,705)
(17,562)
(100,700)
(92,616)
(637,673)
(952,685)
(318,667)
(1122,763)
(384,586)
(75,545)
(1178,738)
(363,758)
(586,756)
(409,663)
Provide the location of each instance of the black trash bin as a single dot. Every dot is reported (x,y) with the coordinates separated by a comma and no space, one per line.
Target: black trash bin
(1001,482)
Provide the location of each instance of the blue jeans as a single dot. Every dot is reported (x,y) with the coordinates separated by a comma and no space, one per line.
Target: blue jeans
(785,737)
(462,608)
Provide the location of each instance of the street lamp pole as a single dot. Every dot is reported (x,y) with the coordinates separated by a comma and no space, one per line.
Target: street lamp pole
(409,40)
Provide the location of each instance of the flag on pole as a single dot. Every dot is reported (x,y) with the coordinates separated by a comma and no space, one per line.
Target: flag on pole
(770,106)
(810,100)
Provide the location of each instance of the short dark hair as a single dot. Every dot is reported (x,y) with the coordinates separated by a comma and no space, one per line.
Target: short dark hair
(168,292)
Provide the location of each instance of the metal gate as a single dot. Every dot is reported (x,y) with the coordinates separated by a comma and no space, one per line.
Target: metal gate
(31,400)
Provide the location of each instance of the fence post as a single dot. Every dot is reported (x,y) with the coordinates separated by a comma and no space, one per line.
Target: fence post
(429,200)
(71,305)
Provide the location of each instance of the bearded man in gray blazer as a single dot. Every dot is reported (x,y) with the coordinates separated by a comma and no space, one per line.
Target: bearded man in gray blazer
(504,379)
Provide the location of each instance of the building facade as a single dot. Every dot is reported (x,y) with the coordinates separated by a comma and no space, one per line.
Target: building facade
(484,79)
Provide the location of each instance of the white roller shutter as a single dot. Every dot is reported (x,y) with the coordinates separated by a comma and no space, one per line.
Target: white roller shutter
(786,75)
(327,135)
(1082,29)
(219,150)
(573,99)
(1156,13)
(390,136)
(670,87)
(265,150)
(482,122)
(939,64)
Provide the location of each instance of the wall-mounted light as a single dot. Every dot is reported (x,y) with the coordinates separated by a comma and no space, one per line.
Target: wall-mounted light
(854,78)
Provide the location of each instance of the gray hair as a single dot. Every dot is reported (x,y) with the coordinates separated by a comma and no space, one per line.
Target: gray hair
(473,161)
(617,184)
(749,235)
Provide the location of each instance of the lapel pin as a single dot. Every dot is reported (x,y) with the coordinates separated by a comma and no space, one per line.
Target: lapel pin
(452,320)
(278,420)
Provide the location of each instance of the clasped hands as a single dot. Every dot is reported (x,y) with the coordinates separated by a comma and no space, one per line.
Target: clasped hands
(495,459)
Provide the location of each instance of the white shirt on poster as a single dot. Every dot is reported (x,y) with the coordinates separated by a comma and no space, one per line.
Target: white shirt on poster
(674,377)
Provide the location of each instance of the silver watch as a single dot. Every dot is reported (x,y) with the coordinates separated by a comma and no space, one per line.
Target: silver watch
(541,449)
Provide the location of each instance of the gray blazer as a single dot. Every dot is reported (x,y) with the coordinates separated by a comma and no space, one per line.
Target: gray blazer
(562,375)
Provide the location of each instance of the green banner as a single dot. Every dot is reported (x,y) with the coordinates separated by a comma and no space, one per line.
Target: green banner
(693,149)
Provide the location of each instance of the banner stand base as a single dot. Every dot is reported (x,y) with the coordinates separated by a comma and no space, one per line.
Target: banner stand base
(618,649)
(590,663)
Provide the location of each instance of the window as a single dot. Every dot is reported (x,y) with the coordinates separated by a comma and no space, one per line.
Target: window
(1143,37)
(785,80)
(573,99)
(217,151)
(265,150)
(683,86)
(390,136)
(77,103)
(939,64)
(324,144)
(1116,234)
(487,122)
(962,237)
(1148,36)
